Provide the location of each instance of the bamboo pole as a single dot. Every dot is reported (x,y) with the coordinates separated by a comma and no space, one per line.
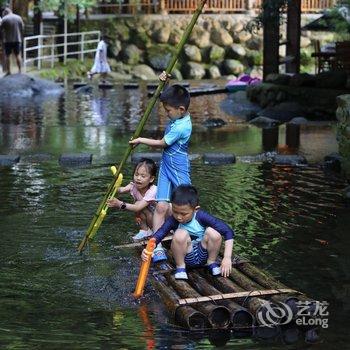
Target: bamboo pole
(254,304)
(267,281)
(143,121)
(184,315)
(240,317)
(218,316)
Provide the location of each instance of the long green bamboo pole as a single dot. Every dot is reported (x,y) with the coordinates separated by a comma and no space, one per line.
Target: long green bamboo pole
(96,221)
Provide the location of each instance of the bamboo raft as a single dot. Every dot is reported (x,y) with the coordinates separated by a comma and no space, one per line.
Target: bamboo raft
(237,302)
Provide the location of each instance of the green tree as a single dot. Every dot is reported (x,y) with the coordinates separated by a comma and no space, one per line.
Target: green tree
(340,19)
(72,5)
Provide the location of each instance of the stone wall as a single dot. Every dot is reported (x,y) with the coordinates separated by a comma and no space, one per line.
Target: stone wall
(343,116)
(220,45)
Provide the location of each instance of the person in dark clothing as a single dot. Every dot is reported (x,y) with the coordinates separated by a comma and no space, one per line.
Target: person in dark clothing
(198,235)
(12,27)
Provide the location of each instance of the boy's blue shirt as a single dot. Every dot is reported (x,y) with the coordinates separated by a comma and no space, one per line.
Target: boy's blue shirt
(177,136)
(196,227)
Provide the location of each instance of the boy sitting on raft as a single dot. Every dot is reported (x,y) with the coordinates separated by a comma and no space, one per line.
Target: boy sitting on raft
(198,235)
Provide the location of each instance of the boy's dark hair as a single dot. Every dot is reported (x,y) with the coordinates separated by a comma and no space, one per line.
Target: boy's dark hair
(185,195)
(176,96)
(149,164)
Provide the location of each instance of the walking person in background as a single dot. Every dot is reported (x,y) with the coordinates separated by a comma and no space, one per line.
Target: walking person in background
(12,28)
(101,65)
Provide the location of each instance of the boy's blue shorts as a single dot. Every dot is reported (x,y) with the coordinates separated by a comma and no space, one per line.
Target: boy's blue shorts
(172,173)
(198,256)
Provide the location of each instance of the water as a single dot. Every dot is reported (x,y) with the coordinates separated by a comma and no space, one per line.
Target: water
(290,221)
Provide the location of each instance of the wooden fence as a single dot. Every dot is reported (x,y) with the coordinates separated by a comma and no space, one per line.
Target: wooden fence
(189,6)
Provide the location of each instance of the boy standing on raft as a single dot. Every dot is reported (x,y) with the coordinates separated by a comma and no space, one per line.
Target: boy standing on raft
(175,166)
(198,235)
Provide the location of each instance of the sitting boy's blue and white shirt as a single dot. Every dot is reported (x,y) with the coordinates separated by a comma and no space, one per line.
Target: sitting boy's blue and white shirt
(175,166)
(196,227)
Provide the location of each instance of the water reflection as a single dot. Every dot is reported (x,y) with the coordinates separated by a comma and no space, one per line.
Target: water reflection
(110,116)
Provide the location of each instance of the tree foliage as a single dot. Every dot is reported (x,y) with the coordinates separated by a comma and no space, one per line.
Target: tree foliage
(58,5)
(340,18)
(270,11)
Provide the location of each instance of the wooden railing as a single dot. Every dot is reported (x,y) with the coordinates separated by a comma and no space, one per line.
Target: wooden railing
(189,6)
(316,5)
(212,5)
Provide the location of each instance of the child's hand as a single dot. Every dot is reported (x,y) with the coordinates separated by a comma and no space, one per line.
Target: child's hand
(144,255)
(164,76)
(226,266)
(114,203)
(135,142)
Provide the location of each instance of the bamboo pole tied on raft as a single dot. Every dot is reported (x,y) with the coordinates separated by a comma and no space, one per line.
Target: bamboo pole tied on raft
(98,218)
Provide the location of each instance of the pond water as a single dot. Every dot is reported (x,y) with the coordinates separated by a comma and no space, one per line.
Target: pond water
(290,221)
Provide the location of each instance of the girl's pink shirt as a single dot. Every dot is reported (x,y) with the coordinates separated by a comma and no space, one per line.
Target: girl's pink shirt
(150,195)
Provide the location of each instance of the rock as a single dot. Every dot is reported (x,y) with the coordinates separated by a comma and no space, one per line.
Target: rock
(216,54)
(263,122)
(193,53)
(162,34)
(333,162)
(214,72)
(298,121)
(214,123)
(302,79)
(254,43)
(283,112)
(75,159)
(219,158)
(236,28)
(233,67)
(144,72)
(331,80)
(114,48)
(193,70)
(221,37)
(24,86)
(242,37)
(8,160)
(175,36)
(131,54)
(159,56)
(289,159)
(254,58)
(200,37)
(176,74)
(155,156)
(87,89)
(122,32)
(238,105)
(256,72)
(279,79)
(141,39)
(236,51)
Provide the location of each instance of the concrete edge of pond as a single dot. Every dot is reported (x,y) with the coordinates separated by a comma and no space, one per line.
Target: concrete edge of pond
(331,162)
(74,159)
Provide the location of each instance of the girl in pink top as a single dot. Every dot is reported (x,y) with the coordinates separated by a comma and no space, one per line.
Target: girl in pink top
(144,194)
